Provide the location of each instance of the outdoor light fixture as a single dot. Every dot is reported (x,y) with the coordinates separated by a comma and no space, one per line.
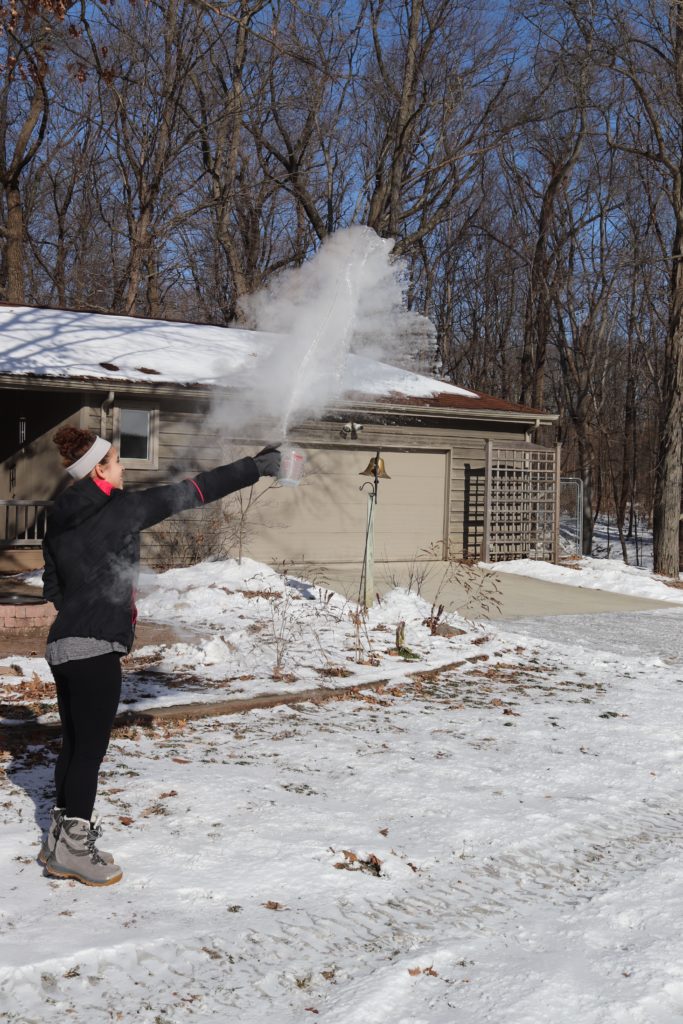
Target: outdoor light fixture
(377,471)
(22,430)
(350,431)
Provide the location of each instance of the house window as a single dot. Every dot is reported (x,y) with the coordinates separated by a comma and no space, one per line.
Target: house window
(135,434)
(134,431)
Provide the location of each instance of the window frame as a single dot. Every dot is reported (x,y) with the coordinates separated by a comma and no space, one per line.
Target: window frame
(152,460)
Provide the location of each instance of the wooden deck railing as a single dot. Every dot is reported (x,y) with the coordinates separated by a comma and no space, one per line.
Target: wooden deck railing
(22,523)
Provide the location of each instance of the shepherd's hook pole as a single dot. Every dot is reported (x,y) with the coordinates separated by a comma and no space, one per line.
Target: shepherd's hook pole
(367,579)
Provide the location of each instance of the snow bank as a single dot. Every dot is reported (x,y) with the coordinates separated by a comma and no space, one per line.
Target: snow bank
(595,574)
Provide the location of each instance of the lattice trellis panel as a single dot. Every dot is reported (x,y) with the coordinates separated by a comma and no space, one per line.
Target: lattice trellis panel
(521,508)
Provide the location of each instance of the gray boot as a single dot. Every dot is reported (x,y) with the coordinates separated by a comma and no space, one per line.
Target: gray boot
(52,836)
(76,856)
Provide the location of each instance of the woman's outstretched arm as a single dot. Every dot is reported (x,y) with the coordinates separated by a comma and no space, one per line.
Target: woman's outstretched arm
(143,509)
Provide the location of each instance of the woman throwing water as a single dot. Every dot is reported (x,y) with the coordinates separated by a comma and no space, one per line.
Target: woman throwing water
(92,551)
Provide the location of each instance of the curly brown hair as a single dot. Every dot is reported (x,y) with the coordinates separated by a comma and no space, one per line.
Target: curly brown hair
(73,442)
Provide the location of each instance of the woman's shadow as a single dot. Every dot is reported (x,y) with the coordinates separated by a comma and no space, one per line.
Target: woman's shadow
(30,767)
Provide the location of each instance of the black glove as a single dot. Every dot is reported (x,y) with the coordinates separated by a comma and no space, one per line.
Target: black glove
(268,461)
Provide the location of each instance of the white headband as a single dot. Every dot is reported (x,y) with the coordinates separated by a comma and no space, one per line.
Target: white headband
(94,455)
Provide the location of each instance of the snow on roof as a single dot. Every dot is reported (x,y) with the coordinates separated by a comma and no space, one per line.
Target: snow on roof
(61,343)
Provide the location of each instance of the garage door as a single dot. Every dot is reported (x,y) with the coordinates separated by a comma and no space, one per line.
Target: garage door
(323,520)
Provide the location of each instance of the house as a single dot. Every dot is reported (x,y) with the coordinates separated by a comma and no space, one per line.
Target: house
(466,479)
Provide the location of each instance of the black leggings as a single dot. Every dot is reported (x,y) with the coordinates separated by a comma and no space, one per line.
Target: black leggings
(88,694)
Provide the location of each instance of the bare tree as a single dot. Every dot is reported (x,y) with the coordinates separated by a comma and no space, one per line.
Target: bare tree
(300,113)
(237,194)
(143,60)
(550,144)
(429,95)
(24,110)
(646,59)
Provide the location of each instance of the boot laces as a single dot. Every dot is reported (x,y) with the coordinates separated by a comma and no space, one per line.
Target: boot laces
(94,833)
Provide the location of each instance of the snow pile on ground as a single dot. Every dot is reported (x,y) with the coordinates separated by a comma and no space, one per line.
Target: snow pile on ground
(33,578)
(262,629)
(595,574)
(244,630)
(499,842)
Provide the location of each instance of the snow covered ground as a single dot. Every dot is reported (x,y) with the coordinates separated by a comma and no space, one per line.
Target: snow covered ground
(248,631)
(606,542)
(497,842)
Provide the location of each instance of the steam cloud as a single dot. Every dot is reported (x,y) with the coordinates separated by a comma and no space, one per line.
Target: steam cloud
(347,298)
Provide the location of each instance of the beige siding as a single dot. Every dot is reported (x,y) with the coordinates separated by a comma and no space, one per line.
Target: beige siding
(405,527)
(324,518)
(436,491)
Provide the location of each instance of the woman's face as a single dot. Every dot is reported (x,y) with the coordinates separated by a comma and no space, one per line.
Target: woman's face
(111,470)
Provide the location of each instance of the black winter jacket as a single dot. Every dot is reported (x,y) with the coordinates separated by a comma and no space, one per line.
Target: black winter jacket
(92,547)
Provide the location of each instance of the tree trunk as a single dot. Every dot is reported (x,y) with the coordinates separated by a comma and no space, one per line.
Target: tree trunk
(668,476)
(14,249)
(626,488)
(667,501)
(154,308)
(405,111)
(139,250)
(59,276)
(537,314)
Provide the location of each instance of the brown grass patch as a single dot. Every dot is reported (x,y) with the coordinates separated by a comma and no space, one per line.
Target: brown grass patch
(335,672)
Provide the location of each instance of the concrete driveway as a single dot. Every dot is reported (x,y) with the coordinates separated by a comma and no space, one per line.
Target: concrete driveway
(478,594)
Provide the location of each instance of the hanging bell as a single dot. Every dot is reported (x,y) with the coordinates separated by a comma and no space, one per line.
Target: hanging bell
(381,471)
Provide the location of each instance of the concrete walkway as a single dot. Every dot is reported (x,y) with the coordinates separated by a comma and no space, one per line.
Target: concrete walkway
(478,594)
(642,635)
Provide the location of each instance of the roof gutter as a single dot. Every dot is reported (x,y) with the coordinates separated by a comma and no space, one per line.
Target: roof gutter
(129,387)
(203,391)
(440,413)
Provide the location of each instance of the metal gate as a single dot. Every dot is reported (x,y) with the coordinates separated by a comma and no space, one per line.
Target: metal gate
(522,502)
(571,516)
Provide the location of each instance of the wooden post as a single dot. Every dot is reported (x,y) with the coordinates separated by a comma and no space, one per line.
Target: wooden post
(486,543)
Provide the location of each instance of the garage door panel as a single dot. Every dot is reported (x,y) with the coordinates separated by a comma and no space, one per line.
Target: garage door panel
(324,519)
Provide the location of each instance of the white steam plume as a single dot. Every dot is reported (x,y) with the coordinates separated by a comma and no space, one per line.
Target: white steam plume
(347,298)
